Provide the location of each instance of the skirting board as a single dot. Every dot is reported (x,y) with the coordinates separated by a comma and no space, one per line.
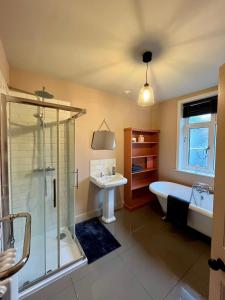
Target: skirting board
(91,214)
(88,215)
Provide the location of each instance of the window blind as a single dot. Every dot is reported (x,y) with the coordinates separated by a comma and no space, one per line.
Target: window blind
(200,107)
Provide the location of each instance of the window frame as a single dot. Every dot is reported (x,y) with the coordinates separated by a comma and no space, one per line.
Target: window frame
(183,126)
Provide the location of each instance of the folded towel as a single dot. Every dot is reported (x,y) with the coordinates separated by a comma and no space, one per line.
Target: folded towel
(136,168)
(177,211)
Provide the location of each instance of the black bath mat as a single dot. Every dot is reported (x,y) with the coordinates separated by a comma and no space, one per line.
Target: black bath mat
(95,239)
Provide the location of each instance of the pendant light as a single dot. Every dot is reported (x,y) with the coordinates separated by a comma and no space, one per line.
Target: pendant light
(146,94)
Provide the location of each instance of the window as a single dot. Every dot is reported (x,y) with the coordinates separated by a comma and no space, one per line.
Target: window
(197,136)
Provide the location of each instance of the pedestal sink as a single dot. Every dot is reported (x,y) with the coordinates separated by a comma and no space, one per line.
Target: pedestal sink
(108,183)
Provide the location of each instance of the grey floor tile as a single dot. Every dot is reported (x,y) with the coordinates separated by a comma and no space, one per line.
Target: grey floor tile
(80,273)
(195,283)
(134,220)
(123,233)
(129,223)
(184,292)
(198,276)
(63,286)
(37,296)
(110,281)
(83,271)
(58,286)
(65,294)
(151,271)
(171,245)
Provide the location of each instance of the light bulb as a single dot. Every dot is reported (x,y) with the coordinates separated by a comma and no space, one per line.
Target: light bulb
(146,96)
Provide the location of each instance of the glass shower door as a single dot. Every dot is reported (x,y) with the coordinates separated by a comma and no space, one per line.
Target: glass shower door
(69,251)
(33,170)
(68,178)
(72,186)
(72,175)
(27,189)
(50,153)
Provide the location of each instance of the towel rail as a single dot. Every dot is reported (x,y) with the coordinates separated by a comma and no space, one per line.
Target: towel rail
(26,244)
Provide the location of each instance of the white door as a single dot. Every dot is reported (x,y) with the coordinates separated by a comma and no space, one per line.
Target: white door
(217,276)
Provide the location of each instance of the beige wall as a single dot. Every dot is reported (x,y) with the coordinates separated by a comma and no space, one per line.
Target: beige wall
(119,113)
(4,67)
(167,121)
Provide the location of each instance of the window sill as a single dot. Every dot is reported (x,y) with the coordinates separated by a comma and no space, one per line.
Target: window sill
(196,173)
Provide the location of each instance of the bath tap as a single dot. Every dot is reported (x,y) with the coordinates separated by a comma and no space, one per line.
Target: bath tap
(200,188)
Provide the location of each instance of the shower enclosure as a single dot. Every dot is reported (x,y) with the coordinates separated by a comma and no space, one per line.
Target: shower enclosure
(38,175)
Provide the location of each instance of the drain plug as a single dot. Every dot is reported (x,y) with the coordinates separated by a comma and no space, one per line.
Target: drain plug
(62,236)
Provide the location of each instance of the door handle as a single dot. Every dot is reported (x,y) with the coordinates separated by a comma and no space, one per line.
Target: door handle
(216,264)
(54,192)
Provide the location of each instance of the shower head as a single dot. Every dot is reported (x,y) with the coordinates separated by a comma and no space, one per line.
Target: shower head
(43,94)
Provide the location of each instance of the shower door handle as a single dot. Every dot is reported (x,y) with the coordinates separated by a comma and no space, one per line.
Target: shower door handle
(54,192)
(77,176)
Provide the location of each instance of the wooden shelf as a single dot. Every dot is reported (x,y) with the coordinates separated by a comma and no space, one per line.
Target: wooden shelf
(141,180)
(145,170)
(141,156)
(139,198)
(145,155)
(151,131)
(136,143)
(139,185)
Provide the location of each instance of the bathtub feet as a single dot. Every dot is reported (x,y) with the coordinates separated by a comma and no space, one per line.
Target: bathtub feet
(164,218)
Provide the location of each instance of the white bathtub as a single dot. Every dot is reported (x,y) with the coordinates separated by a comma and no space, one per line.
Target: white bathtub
(200,214)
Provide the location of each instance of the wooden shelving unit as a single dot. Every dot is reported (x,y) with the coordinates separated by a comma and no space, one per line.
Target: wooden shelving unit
(145,155)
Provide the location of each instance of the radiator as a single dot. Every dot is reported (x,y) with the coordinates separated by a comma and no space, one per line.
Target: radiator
(9,286)
(9,267)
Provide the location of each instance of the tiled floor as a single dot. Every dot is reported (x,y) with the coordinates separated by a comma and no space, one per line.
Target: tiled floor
(155,261)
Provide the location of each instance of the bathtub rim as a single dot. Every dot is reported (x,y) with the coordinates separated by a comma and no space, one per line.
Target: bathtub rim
(192,206)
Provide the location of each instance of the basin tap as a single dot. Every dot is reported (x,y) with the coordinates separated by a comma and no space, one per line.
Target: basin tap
(101,174)
(113,170)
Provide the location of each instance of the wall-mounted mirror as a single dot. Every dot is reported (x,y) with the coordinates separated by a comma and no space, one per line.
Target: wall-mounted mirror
(103,139)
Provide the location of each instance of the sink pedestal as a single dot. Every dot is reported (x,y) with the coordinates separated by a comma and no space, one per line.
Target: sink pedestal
(107,184)
(108,206)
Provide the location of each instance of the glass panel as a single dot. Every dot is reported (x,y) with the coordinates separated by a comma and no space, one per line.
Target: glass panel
(198,147)
(69,250)
(50,159)
(199,119)
(25,130)
(71,174)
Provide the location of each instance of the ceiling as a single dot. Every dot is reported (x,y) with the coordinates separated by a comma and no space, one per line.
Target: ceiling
(99,43)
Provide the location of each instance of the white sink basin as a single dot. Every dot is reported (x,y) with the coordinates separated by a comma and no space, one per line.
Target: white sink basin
(108,184)
(109,181)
